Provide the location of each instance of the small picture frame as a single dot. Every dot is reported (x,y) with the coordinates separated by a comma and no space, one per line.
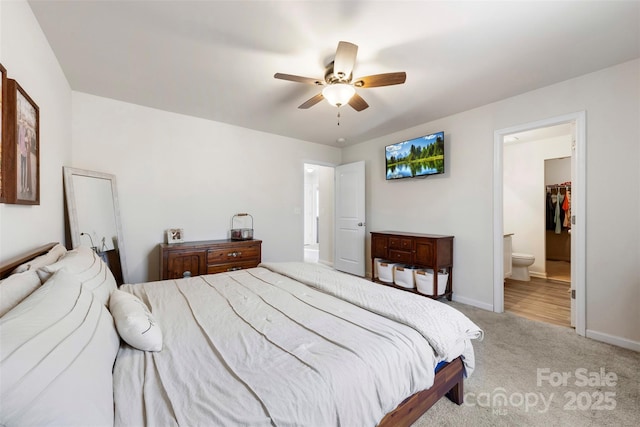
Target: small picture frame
(175,235)
(20,146)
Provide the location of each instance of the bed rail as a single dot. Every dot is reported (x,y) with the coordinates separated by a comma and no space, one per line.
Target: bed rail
(449,381)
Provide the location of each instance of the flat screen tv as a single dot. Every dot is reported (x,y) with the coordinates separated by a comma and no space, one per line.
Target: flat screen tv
(417,157)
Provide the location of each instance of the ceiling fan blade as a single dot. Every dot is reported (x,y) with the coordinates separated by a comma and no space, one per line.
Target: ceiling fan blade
(345,60)
(358,103)
(378,80)
(298,79)
(312,101)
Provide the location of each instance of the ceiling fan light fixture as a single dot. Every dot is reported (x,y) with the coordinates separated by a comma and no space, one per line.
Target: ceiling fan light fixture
(338,94)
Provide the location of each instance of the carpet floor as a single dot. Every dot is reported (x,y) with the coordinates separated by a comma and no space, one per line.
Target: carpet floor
(531,373)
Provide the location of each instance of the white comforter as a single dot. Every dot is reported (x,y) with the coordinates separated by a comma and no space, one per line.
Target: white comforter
(255,347)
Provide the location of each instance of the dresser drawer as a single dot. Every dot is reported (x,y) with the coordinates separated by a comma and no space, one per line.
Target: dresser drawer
(221,268)
(400,256)
(233,254)
(400,243)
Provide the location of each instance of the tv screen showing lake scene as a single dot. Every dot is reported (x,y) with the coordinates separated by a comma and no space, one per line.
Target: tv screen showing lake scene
(420,156)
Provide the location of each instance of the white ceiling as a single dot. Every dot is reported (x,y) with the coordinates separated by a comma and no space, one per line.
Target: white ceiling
(216,59)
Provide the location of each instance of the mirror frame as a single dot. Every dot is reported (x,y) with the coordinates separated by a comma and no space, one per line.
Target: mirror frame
(72,210)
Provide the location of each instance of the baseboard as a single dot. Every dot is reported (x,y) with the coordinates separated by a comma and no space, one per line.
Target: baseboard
(537,274)
(614,340)
(472,302)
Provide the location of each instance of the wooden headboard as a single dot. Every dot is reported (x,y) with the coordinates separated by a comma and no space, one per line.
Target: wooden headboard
(6,267)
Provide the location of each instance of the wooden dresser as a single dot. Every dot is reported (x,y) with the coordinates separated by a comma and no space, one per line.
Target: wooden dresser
(179,260)
(421,250)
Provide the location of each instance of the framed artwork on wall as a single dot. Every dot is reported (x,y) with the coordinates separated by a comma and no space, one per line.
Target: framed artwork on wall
(20,147)
(3,86)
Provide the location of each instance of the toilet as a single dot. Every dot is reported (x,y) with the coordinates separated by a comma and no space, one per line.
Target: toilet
(521,263)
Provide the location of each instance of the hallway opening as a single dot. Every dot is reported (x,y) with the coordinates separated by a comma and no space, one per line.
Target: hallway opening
(318,213)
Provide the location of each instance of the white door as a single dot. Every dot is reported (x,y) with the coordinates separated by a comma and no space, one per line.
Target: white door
(350,217)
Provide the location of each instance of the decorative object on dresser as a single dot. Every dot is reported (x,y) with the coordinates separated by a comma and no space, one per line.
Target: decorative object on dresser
(430,251)
(241,233)
(175,235)
(187,259)
(20,146)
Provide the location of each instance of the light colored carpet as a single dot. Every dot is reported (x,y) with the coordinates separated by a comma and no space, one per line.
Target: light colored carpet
(519,360)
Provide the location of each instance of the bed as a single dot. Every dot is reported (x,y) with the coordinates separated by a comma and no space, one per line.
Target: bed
(280,344)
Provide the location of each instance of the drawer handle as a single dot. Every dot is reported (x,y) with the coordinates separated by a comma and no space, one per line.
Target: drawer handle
(234,268)
(186,274)
(234,254)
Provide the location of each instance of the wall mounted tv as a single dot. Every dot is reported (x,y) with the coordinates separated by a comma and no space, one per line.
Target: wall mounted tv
(417,157)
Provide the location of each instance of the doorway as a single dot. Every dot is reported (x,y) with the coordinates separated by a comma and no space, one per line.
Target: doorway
(318,213)
(578,229)
(536,206)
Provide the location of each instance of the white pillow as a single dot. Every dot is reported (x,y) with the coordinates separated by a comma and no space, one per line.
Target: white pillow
(56,358)
(15,288)
(88,267)
(135,323)
(50,257)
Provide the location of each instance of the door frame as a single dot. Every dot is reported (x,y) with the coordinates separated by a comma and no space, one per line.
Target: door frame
(578,212)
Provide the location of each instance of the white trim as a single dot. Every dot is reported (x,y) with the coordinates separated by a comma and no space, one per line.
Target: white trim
(579,209)
(498,222)
(578,191)
(614,340)
(538,274)
(472,302)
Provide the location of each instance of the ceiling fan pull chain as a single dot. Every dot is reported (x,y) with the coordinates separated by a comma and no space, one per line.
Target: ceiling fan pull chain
(338,116)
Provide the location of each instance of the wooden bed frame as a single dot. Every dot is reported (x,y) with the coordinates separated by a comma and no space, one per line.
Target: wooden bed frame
(6,267)
(449,380)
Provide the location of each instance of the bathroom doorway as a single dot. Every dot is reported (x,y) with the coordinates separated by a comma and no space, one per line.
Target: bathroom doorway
(318,213)
(533,213)
(526,197)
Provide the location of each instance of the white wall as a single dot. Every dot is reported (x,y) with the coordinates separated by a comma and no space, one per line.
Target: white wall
(460,202)
(26,55)
(557,171)
(179,171)
(524,196)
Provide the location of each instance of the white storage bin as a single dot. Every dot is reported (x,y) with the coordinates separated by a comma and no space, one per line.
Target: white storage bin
(385,270)
(403,276)
(376,273)
(424,281)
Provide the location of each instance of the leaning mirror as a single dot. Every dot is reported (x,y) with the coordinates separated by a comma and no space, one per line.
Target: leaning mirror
(94,216)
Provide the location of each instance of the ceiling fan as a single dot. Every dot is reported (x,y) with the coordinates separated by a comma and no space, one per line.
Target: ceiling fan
(339,84)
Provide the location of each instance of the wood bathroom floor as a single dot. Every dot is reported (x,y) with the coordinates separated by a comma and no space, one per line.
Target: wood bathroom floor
(558,270)
(540,299)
